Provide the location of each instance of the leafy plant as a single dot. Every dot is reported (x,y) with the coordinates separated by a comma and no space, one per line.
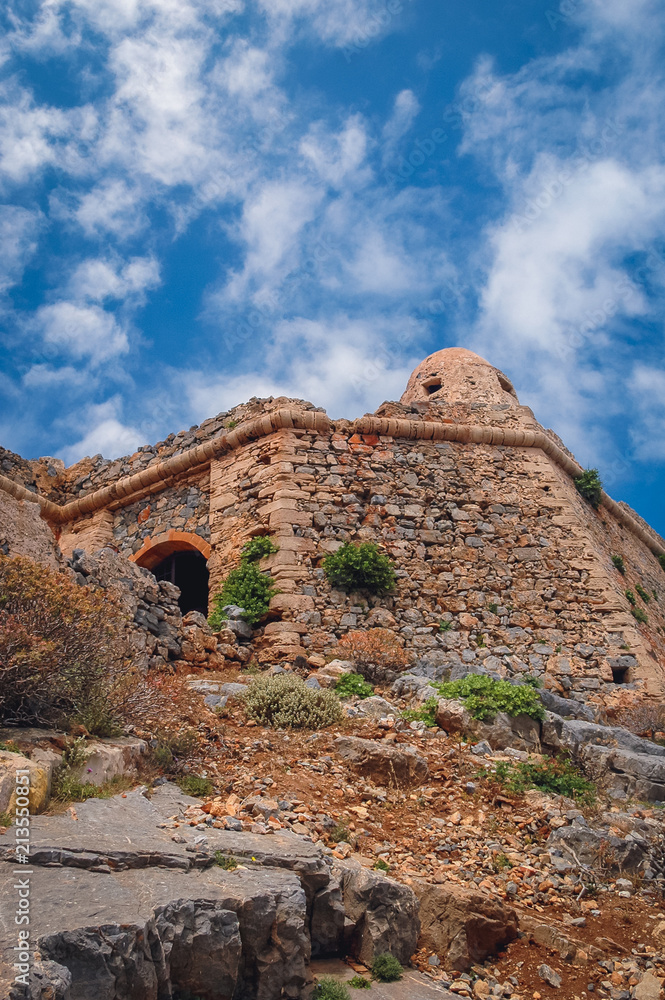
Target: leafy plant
(534,682)
(501,862)
(386,968)
(557,776)
(483,697)
(248,588)
(640,616)
(222,861)
(257,548)
(590,487)
(193,784)
(661,560)
(360,567)
(353,685)
(445,625)
(6,819)
(328,988)
(231,425)
(340,833)
(284,701)
(382,866)
(493,608)
(64,655)
(9,746)
(426,714)
(373,652)
(619,563)
(645,595)
(630,597)
(360,983)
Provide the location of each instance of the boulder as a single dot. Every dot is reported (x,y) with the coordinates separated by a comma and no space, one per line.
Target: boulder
(520,732)
(381,914)
(376,708)
(110,758)
(586,846)
(40,781)
(462,924)
(387,765)
(452,716)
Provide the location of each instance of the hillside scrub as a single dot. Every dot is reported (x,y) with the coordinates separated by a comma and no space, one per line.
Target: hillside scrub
(64,656)
(285,702)
(373,652)
(483,697)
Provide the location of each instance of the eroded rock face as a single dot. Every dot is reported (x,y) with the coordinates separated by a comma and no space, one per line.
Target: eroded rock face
(464,925)
(390,766)
(382,914)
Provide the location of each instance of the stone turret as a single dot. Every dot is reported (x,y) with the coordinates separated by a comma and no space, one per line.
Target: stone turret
(456,375)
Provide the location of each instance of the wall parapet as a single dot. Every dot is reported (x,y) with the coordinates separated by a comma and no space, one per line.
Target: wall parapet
(125,490)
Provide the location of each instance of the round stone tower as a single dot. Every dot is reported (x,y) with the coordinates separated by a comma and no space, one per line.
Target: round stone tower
(456,375)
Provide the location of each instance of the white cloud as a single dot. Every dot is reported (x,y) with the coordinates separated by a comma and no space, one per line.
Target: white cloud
(647,388)
(81,331)
(98,279)
(107,436)
(337,158)
(405,110)
(19,228)
(336,22)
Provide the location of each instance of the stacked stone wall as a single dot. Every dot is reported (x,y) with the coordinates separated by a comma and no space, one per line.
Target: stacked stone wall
(183,506)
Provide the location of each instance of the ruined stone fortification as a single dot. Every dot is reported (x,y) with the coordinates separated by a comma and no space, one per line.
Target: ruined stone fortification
(472,498)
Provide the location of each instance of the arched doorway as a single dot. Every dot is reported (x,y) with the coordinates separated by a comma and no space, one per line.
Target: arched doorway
(189,572)
(181,558)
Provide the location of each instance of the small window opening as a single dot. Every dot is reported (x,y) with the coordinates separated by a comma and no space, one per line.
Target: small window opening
(432,387)
(620,675)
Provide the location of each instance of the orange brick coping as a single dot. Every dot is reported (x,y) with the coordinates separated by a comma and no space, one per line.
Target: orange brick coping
(155,549)
(124,490)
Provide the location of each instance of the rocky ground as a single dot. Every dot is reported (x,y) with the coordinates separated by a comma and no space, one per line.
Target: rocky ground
(520,895)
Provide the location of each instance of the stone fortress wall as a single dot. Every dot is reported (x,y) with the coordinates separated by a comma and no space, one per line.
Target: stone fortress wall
(473,499)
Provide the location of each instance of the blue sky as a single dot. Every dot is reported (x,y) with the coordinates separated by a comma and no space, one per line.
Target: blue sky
(206,200)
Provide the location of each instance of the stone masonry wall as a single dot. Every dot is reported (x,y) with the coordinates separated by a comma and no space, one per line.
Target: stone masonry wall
(183,506)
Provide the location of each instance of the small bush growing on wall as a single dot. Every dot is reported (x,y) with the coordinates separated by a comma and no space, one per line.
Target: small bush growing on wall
(248,588)
(630,597)
(640,616)
(285,702)
(258,548)
(373,652)
(590,487)
(64,657)
(360,567)
(619,563)
(661,560)
(646,597)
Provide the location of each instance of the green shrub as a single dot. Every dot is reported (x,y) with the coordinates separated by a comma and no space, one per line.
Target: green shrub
(559,777)
(340,833)
(445,626)
(661,560)
(360,567)
(353,685)
(386,969)
(619,563)
(64,655)
(590,487)
(257,548)
(645,595)
(640,616)
(328,988)
(382,866)
(493,608)
(193,784)
(284,701)
(630,597)
(426,714)
(483,697)
(248,588)
(360,983)
(222,861)
(6,819)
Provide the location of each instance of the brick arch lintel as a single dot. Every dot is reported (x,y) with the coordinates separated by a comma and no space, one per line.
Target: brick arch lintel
(158,547)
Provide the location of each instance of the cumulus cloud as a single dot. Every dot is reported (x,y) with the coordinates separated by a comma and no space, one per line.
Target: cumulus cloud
(107,436)
(19,228)
(81,331)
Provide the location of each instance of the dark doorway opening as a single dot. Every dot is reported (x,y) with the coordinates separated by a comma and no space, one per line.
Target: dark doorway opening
(188,571)
(620,675)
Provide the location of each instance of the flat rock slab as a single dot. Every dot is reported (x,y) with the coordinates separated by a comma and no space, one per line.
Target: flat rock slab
(121,833)
(116,933)
(412,986)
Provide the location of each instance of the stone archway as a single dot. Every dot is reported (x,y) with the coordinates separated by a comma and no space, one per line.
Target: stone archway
(181,558)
